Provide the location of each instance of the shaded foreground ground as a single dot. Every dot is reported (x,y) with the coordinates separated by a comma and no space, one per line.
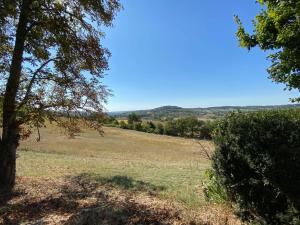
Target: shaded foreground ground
(125,177)
(78,200)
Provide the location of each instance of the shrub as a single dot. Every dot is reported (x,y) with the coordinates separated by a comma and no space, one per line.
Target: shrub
(206,130)
(181,127)
(170,128)
(130,126)
(134,118)
(149,127)
(193,126)
(123,124)
(116,123)
(109,120)
(159,129)
(257,159)
(136,126)
(212,188)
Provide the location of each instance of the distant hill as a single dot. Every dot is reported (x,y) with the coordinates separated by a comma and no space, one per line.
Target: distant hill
(203,113)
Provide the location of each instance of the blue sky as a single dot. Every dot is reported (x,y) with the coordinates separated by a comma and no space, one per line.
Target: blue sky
(185,53)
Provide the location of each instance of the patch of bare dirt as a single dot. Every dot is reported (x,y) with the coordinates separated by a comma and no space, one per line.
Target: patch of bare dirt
(76,200)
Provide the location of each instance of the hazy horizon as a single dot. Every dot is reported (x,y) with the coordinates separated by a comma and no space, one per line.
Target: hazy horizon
(204,107)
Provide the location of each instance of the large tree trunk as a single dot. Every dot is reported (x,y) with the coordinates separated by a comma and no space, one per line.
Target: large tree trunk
(9,141)
(8,165)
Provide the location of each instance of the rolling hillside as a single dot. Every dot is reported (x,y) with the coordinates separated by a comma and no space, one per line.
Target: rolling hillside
(203,113)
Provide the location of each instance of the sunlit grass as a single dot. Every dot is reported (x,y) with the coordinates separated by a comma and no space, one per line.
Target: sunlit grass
(173,163)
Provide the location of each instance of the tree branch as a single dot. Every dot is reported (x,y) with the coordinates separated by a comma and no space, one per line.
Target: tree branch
(205,151)
(29,28)
(26,97)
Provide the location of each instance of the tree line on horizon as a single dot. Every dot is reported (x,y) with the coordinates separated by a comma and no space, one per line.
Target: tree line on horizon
(188,127)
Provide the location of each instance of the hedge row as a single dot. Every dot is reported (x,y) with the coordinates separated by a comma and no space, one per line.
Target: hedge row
(257,161)
(184,127)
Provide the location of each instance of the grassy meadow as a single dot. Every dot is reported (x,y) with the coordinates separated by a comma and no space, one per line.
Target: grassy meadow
(170,167)
(122,177)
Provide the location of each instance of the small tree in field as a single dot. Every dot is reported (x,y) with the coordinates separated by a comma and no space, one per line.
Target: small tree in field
(51,60)
(134,118)
(277,28)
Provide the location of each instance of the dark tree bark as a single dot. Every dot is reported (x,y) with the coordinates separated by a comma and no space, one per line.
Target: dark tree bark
(10,134)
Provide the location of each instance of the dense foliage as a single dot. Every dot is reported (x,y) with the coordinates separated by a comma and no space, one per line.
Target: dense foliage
(189,127)
(133,118)
(277,28)
(257,159)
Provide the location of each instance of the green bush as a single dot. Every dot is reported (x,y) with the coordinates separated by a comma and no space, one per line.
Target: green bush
(206,130)
(193,126)
(170,128)
(149,127)
(109,120)
(136,126)
(130,126)
(257,159)
(123,125)
(134,118)
(159,129)
(212,188)
(116,123)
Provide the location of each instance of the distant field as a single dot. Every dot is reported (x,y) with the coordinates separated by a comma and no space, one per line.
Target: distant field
(170,167)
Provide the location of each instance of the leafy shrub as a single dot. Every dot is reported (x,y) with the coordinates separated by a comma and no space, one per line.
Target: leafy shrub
(136,126)
(257,159)
(110,121)
(149,127)
(181,127)
(170,128)
(206,130)
(133,117)
(159,129)
(193,126)
(130,126)
(123,124)
(116,123)
(212,188)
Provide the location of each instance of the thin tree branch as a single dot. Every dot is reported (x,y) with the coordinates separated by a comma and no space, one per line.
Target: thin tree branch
(204,151)
(26,97)
(29,28)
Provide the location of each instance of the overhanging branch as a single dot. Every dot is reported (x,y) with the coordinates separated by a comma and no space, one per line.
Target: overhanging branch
(26,97)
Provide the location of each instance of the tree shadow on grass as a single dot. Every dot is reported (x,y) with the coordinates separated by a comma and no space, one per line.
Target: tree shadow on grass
(6,196)
(125,182)
(86,201)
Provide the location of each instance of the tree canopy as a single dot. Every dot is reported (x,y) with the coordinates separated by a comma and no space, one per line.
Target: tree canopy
(133,118)
(277,28)
(51,60)
(62,57)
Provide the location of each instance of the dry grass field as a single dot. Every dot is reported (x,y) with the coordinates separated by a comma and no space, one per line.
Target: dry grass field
(145,178)
(174,164)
